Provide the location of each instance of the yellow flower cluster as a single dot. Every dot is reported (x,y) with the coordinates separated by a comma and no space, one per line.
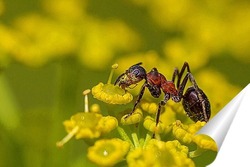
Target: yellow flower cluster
(88,124)
(205,29)
(158,153)
(139,151)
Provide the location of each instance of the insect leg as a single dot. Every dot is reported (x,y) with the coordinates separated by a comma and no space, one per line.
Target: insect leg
(162,103)
(138,99)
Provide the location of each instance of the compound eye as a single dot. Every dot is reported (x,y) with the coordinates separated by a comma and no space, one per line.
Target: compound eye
(136,72)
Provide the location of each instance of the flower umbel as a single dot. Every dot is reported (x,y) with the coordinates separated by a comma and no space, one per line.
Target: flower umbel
(110,93)
(171,142)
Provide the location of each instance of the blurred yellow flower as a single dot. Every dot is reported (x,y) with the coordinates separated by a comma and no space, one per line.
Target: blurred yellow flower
(108,152)
(41,39)
(179,50)
(158,153)
(101,42)
(218,89)
(205,142)
(2,8)
(141,158)
(66,10)
(87,124)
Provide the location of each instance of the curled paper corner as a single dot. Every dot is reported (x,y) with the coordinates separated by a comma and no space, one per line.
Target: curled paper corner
(230,130)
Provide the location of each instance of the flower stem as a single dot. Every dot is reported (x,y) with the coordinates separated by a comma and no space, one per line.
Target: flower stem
(135,140)
(86,101)
(114,66)
(68,137)
(124,136)
(148,137)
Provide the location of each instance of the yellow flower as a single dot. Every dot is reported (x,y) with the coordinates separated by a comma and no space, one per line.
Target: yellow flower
(140,158)
(193,128)
(101,42)
(2,8)
(65,10)
(108,152)
(87,124)
(36,48)
(136,117)
(185,133)
(180,133)
(110,93)
(107,124)
(205,142)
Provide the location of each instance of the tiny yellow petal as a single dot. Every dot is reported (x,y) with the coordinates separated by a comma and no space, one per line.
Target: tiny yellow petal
(182,134)
(136,117)
(151,108)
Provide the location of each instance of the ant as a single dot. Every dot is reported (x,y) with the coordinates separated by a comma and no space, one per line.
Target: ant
(194,100)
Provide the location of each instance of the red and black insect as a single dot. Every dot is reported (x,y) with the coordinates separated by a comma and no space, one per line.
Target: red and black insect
(194,100)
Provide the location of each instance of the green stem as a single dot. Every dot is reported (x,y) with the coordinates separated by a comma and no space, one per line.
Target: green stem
(124,136)
(148,137)
(68,137)
(135,140)
(142,141)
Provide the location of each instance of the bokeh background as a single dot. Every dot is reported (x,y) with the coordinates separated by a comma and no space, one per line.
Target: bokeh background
(52,50)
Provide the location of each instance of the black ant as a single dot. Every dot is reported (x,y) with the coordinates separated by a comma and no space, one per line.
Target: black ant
(194,100)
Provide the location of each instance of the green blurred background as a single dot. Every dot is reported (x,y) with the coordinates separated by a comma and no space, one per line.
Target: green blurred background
(52,50)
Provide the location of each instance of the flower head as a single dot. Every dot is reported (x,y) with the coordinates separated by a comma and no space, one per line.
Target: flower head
(110,93)
(88,124)
(108,152)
